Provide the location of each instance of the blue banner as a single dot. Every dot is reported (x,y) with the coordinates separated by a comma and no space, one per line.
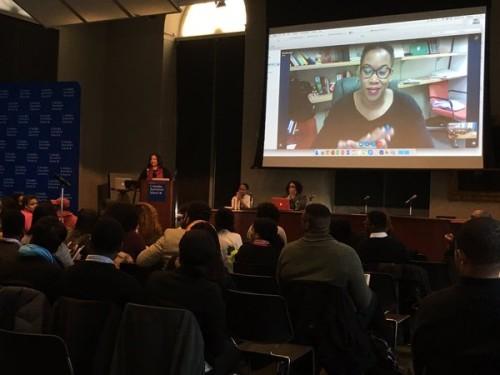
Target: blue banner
(40,139)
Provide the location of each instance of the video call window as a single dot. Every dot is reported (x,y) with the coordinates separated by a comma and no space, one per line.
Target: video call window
(419,95)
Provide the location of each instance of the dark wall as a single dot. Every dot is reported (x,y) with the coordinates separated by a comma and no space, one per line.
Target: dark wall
(28,51)
(209,115)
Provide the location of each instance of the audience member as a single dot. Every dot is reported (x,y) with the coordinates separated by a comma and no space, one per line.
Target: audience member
(29,204)
(380,247)
(96,278)
(79,239)
(216,270)
(67,217)
(36,265)
(126,214)
(260,256)
(229,240)
(42,210)
(458,329)
(319,257)
(341,230)
(18,198)
(189,287)
(268,210)
(12,232)
(149,224)
(167,245)
(45,209)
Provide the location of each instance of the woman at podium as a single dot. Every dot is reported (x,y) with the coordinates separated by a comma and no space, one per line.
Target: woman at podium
(154,169)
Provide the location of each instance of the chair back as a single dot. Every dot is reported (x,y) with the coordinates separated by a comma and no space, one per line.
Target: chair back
(258,317)
(254,269)
(323,316)
(438,272)
(255,283)
(386,288)
(24,310)
(158,341)
(89,329)
(29,353)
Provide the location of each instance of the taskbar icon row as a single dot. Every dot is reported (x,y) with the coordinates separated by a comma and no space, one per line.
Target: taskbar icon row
(365,152)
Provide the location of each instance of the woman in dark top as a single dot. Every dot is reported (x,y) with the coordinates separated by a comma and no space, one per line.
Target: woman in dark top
(298,201)
(126,214)
(375,116)
(154,169)
(260,256)
(189,287)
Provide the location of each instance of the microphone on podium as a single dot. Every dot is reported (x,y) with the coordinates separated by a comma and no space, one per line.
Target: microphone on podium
(412,198)
(365,198)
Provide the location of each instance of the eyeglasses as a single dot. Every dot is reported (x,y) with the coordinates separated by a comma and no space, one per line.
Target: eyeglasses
(383,72)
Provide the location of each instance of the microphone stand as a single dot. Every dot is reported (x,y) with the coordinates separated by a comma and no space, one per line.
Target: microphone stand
(366,207)
(61,205)
(410,208)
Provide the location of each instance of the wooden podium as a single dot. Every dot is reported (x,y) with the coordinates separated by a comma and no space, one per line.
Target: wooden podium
(159,193)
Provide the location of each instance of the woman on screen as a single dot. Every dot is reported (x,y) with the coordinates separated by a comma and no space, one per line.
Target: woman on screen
(154,169)
(294,194)
(375,116)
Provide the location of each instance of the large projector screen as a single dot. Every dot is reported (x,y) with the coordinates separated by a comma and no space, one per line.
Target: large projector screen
(393,92)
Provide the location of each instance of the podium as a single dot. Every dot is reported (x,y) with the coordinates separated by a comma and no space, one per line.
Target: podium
(159,192)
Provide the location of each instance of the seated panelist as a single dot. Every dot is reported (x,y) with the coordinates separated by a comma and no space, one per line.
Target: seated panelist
(243,199)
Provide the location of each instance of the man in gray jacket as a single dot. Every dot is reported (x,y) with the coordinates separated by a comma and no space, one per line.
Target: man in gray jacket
(319,257)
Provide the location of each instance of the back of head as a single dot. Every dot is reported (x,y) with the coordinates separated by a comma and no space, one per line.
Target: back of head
(224,219)
(86,220)
(377,221)
(107,236)
(12,223)
(317,218)
(197,251)
(43,209)
(125,214)
(149,223)
(48,232)
(479,240)
(269,210)
(9,203)
(265,228)
(476,214)
(198,210)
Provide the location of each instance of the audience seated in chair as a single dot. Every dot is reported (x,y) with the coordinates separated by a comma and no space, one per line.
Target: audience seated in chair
(458,328)
(167,245)
(127,215)
(263,251)
(381,247)
(12,232)
(36,265)
(44,209)
(189,287)
(79,239)
(229,240)
(96,278)
(319,257)
(268,210)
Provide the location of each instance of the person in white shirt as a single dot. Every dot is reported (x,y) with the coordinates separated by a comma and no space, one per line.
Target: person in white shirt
(229,240)
(243,199)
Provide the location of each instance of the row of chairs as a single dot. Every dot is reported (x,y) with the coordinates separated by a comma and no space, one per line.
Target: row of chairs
(94,338)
